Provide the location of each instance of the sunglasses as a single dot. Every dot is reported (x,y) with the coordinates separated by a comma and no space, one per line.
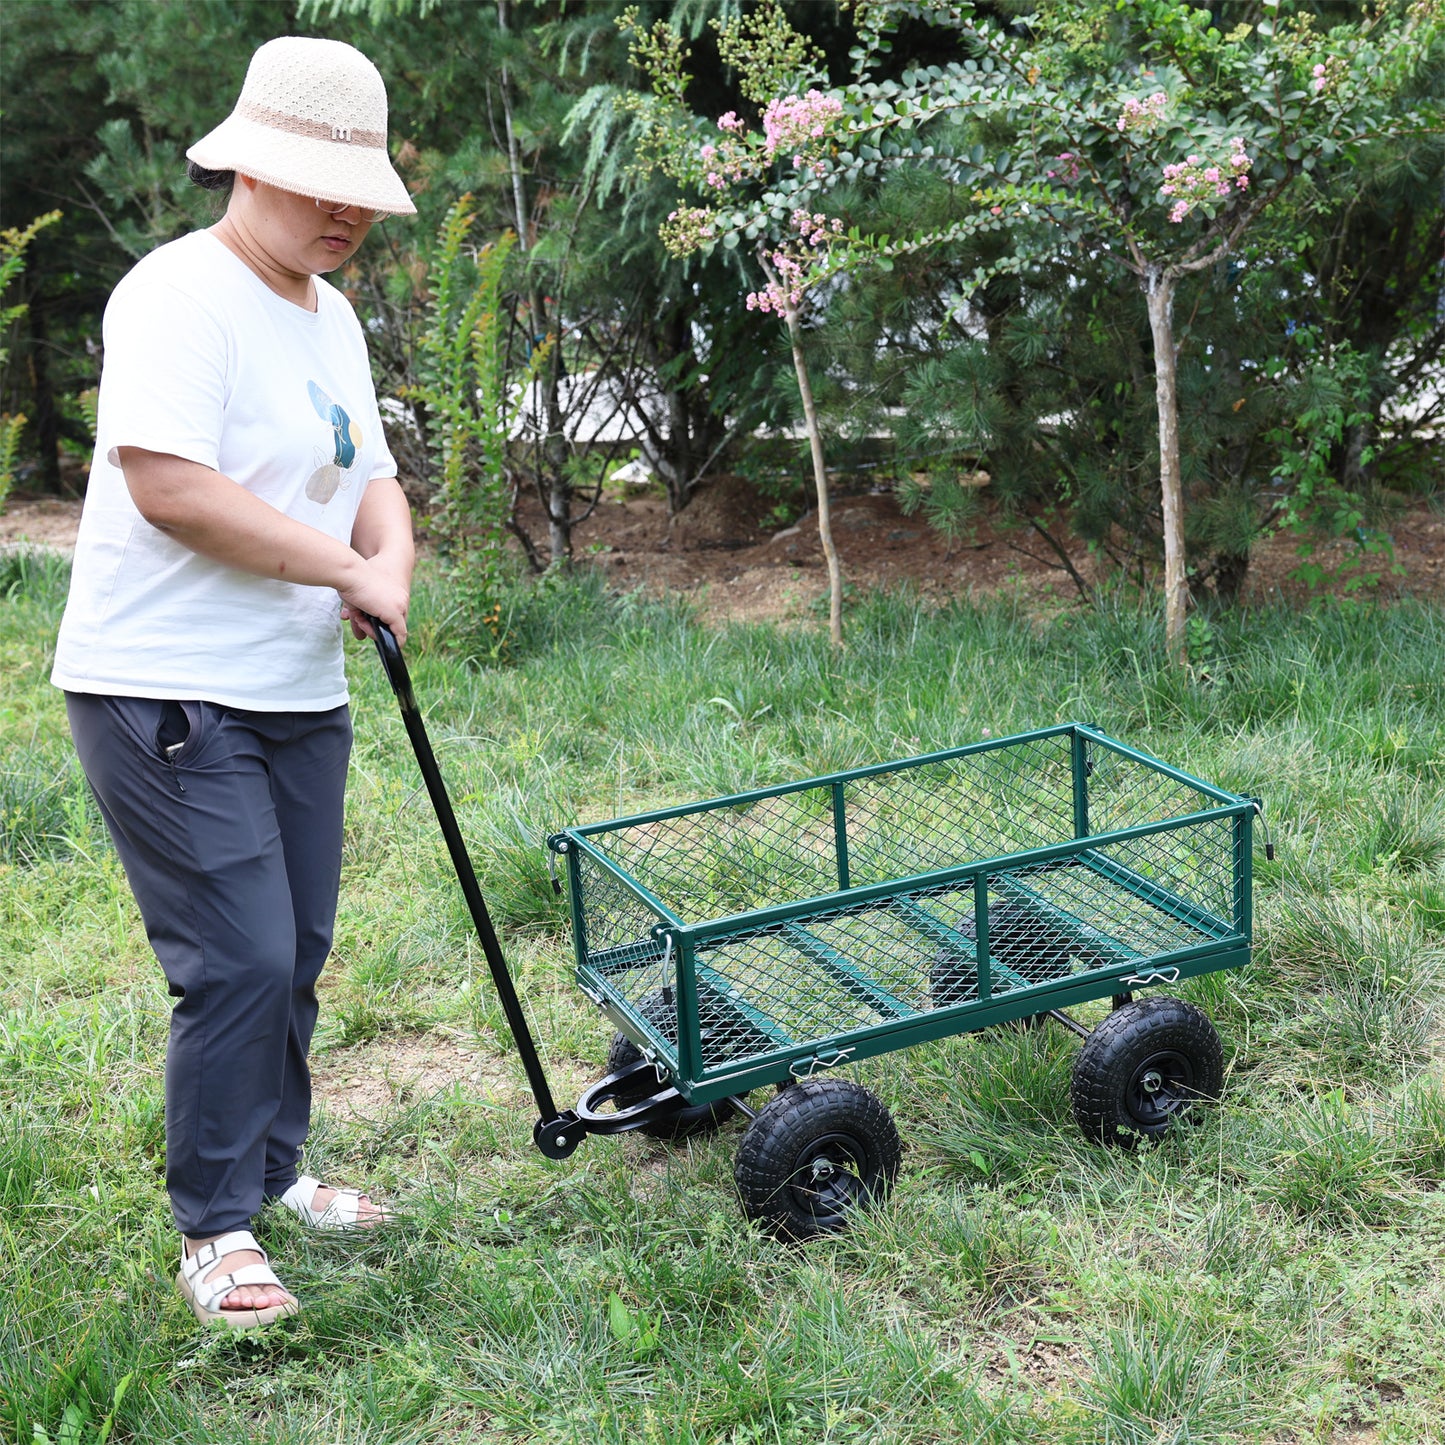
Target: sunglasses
(335,208)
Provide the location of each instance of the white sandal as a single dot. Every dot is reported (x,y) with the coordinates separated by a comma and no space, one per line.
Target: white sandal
(205,1295)
(342,1213)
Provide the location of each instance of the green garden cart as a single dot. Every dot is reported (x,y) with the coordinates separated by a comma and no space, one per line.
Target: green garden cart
(770,938)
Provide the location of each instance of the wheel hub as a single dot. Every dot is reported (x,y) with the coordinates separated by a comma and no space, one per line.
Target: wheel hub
(1162,1086)
(828,1176)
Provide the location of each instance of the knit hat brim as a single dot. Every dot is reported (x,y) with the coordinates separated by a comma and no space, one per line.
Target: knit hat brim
(332,170)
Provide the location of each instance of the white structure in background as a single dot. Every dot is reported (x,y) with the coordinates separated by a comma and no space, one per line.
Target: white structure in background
(1421,410)
(599,411)
(596,412)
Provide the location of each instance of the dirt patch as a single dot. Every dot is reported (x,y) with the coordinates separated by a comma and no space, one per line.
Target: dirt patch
(48,522)
(1023,1359)
(728,552)
(367,1081)
(731,553)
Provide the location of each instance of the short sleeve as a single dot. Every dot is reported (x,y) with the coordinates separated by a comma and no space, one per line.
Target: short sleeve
(163,381)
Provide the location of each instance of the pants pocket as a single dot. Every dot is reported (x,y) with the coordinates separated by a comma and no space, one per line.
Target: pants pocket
(166,729)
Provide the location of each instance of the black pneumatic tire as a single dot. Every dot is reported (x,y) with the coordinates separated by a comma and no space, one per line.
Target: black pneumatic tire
(813,1154)
(1144,1067)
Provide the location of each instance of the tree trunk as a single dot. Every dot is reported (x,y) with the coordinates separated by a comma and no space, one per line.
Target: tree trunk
(1159,287)
(553,485)
(820,479)
(554,454)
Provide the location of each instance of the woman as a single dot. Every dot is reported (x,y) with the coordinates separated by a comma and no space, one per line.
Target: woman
(241,485)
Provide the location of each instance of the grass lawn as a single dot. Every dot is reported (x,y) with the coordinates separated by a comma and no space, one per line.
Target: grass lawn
(1274,1273)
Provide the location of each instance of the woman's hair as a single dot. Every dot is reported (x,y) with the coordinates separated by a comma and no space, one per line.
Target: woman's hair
(218,181)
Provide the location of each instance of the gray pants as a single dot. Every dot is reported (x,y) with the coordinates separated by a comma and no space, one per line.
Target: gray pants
(228,824)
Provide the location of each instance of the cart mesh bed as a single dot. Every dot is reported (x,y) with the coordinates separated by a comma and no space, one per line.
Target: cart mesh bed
(742,939)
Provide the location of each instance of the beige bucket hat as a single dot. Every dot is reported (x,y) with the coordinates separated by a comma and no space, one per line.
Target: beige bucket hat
(311,120)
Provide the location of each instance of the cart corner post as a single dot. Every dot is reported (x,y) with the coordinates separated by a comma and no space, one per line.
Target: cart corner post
(1244,870)
(689,1021)
(840,835)
(563,847)
(1082,766)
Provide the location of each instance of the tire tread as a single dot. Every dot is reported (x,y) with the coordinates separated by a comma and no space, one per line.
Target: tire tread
(1106,1063)
(810,1108)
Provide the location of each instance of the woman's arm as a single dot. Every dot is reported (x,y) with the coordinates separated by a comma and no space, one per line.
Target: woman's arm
(382,534)
(212,515)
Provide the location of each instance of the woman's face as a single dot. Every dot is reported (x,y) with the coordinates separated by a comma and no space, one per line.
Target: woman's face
(297,235)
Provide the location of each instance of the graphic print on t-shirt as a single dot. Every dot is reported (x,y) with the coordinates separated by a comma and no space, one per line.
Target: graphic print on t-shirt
(346,440)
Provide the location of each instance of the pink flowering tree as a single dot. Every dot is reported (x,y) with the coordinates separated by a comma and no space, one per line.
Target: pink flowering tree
(1141,135)
(740,173)
(1167,169)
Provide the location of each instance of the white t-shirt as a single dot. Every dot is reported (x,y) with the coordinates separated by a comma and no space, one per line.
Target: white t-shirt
(204,361)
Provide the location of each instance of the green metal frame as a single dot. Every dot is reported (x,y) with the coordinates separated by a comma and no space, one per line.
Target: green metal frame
(1121,969)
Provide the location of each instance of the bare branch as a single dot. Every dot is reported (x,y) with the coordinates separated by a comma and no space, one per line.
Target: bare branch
(1065,561)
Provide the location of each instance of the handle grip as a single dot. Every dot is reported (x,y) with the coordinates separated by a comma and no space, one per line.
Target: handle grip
(392,662)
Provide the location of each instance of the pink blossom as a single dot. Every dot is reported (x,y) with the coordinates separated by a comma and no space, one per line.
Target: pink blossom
(1143,115)
(1069,167)
(796,123)
(729,121)
(1194,180)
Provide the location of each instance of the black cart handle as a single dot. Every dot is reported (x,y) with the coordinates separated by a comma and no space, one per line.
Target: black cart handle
(553,1129)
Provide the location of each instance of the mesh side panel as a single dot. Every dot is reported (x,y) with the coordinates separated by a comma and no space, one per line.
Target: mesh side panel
(1196,864)
(831,974)
(747,856)
(1124,793)
(940,815)
(618,922)
(1086,921)
(772,995)
(732,859)
(819,979)
(621,949)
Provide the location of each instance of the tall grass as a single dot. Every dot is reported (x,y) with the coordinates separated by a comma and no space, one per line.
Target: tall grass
(1272,1274)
